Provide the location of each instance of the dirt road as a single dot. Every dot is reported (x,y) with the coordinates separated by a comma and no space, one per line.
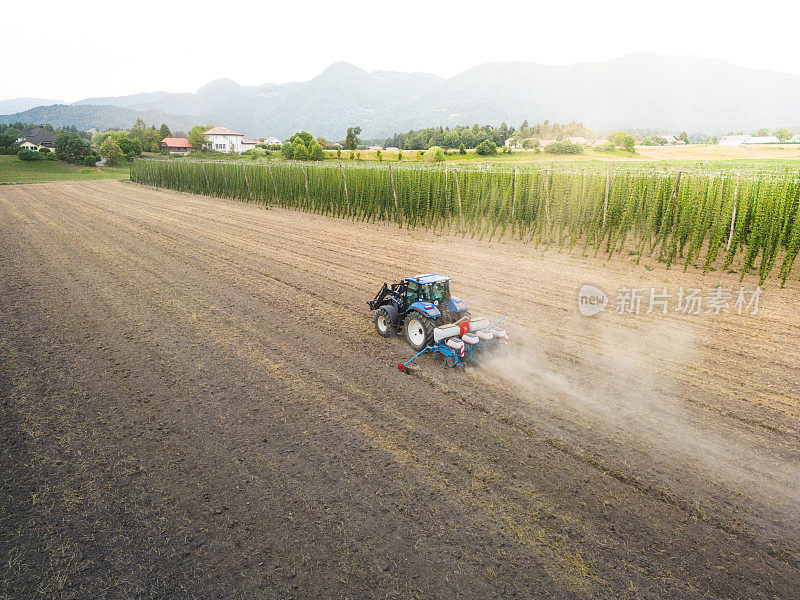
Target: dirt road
(195,405)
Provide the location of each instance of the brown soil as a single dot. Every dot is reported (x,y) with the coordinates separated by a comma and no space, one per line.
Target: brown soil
(195,404)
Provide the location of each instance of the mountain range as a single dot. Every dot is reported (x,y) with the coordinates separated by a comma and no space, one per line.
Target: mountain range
(637,91)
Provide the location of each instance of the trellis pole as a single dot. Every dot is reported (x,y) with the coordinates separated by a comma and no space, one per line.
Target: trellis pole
(305,177)
(458,193)
(675,196)
(203,168)
(394,192)
(514,202)
(608,189)
(546,196)
(274,185)
(249,193)
(735,206)
(446,187)
(346,195)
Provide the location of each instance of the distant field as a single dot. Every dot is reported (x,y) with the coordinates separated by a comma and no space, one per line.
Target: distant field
(702,152)
(13,170)
(789,152)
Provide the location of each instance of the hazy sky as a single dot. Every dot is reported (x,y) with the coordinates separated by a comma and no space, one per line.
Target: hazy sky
(72,50)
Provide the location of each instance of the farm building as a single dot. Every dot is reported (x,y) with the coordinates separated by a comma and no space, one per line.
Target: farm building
(738,140)
(762,139)
(37,138)
(273,141)
(176,145)
(733,140)
(223,139)
(795,139)
(374,148)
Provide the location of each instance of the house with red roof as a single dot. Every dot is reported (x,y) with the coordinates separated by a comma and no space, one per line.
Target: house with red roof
(223,139)
(176,145)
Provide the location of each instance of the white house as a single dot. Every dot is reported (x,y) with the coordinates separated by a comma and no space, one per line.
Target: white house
(273,141)
(762,139)
(223,139)
(733,140)
(795,139)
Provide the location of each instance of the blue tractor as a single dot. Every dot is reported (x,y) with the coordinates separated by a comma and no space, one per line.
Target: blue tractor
(415,306)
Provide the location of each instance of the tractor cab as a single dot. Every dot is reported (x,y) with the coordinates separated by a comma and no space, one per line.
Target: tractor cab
(431,288)
(415,306)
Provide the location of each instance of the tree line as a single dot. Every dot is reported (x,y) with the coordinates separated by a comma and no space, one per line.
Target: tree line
(473,136)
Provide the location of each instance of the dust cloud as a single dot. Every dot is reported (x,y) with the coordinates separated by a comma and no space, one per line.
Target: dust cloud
(623,382)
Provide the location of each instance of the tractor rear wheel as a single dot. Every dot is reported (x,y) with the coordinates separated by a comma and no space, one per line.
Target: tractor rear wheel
(383,322)
(418,330)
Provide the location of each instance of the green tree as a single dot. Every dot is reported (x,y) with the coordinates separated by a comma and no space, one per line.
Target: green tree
(287,150)
(164,132)
(761,132)
(112,152)
(502,134)
(782,134)
(144,134)
(315,151)
(130,146)
(299,151)
(486,148)
(71,147)
(196,137)
(622,139)
(683,137)
(399,155)
(462,150)
(303,137)
(563,147)
(351,140)
(434,154)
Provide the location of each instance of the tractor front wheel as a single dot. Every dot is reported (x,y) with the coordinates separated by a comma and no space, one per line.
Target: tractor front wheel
(419,331)
(383,322)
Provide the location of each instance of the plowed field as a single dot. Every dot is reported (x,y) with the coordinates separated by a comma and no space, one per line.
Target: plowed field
(195,404)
